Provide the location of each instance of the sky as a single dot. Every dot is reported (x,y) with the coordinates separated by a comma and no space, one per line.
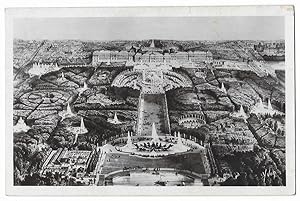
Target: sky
(139,28)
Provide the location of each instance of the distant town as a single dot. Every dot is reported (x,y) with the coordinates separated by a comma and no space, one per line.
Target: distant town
(149,113)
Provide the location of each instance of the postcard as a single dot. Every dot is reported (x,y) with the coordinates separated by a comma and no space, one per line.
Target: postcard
(150,101)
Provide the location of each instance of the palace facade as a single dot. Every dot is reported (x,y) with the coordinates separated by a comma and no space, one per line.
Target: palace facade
(150,55)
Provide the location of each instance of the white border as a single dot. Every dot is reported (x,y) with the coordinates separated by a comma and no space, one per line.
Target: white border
(286,11)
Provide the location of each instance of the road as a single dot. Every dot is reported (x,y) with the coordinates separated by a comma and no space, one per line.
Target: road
(25,66)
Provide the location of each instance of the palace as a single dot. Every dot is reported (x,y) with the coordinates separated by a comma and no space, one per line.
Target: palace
(150,55)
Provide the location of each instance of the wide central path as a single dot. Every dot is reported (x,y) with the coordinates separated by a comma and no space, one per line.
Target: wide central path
(153,81)
(153,105)
(153,109)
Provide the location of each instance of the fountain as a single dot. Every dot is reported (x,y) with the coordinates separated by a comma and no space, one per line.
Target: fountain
(240,114)
(62,75)
(154,134)
(115,120)
(129,141)
(260,108)
(260,103)
(129,145)
(83,129)
(223,89)
(66,114)
(269,105)
(20,126)
(84,88)
(179,146)
(116,117)
(85,85)
(56,68)
(69,111)
(153,146)
(179,140)
(79,130)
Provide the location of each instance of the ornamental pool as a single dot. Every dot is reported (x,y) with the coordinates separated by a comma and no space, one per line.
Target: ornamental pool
(160,178)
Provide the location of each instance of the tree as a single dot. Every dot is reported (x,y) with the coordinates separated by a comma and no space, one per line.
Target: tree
(32,180)
(48,179)
(242,180)
(270,124)
(229,182)
(277,181)
(275,126)
(279,131)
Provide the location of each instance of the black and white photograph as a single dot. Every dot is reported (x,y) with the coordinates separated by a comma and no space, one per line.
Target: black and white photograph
(135,101)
